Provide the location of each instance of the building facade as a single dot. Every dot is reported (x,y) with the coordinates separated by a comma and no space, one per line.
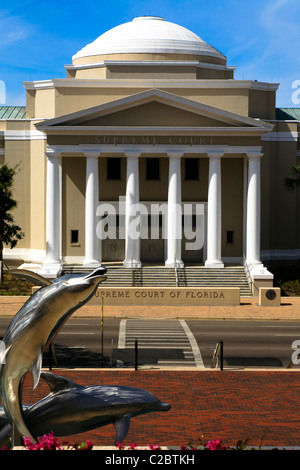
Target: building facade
(150,151)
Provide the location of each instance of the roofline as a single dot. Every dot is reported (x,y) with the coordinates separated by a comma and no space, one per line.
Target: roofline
(148,83)
(149,63)
(148,96)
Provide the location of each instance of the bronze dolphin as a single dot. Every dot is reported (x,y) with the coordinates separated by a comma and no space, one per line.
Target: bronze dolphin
(72,409)
(32,330)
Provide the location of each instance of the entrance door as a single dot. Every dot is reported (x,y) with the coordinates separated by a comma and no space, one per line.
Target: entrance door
(113,250)
(152,243)
(112,235)
(193,229)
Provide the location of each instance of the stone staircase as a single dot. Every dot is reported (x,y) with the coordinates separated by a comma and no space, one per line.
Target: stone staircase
(213,277)
(160,276)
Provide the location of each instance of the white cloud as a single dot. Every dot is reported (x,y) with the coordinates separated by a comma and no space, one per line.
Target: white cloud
(12,29)
(280,22)
(272,55)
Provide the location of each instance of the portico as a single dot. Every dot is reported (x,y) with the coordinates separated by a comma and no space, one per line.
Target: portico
(172,254)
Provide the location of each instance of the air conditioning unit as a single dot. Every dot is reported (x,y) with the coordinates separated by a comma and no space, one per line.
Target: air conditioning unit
(269,296)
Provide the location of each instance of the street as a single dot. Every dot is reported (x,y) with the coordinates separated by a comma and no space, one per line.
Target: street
(171,343)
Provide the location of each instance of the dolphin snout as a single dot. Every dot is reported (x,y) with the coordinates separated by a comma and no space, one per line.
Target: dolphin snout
(100,271)
(164,406)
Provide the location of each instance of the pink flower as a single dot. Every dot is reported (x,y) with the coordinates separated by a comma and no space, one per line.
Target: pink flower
(46,442)
(50,442)
(120,445)
(132,446)
(215,445)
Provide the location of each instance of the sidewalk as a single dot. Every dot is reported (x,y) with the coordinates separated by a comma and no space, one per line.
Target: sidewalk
(247,310)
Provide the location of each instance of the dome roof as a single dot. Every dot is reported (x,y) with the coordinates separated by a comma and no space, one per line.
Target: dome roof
(148,34)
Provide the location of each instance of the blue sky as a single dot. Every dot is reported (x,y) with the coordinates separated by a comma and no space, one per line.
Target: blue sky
(260,37)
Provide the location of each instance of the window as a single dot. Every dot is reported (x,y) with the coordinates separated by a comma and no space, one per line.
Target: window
(74,236)
(191,169)
(114,168)
(230,237)
(152,169)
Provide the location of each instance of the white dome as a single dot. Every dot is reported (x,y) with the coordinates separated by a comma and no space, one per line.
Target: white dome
(148,34)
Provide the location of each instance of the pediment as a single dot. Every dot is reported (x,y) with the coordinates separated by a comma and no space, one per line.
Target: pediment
(154,114)
(151,109)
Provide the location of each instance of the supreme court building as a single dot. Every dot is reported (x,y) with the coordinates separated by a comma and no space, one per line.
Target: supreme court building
(151,116)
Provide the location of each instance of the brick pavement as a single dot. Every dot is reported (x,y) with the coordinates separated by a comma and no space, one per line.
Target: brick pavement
(231,405)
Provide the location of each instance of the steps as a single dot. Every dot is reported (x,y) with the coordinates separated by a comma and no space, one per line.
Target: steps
(213,277)
(160,276)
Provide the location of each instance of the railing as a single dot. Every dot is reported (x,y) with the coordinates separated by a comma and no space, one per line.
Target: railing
(133,277)
(176,274)
(247,271)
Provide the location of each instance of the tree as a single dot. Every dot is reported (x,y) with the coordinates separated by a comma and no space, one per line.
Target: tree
(293,183)
(10,233)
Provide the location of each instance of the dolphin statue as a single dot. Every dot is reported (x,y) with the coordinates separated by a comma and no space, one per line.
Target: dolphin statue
(31,331)
(72,409)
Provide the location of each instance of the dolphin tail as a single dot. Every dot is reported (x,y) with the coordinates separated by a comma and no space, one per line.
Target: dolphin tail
(122,427)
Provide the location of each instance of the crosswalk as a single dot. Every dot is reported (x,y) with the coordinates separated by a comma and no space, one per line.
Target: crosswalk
(163,343)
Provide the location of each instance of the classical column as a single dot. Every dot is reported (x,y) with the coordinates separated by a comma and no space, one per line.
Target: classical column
(53,209)
(214,214)
(92,242)
(245,192)
(174,218)
(253,211)
(132,216)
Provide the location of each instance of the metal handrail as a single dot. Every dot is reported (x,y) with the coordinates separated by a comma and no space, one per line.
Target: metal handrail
(176,273)
(247,271)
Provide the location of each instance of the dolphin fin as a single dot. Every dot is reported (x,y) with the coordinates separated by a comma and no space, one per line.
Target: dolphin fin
(36,369)
(122,427)
(57,383)
(30,276)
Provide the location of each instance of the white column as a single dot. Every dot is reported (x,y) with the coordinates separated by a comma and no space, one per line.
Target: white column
(214,214)
(174,227)
(53,260)
(92,242)
(253,211)
(53,210)
(245,192)
(132,216)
